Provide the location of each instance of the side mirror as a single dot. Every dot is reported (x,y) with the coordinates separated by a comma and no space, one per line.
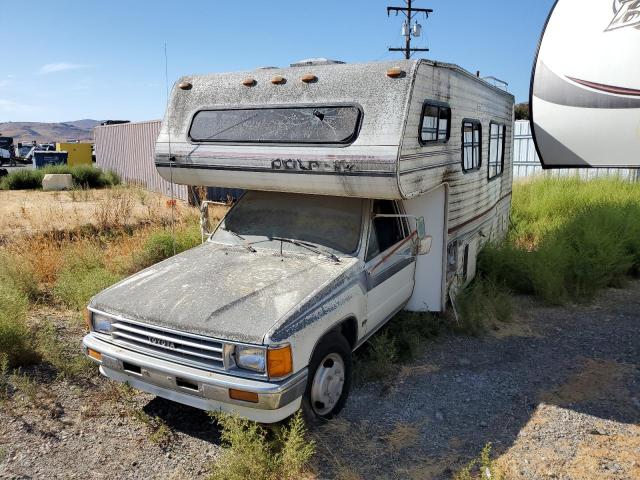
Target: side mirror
(424,240)
(420,228)
(205,224)
(424,247)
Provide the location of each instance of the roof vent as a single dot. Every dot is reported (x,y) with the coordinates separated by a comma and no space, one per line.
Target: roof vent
(309,62)
(267,68)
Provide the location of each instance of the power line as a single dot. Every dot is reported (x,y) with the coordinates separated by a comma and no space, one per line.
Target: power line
(409,30)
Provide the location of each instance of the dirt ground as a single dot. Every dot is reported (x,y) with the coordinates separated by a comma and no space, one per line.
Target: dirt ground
(556,392)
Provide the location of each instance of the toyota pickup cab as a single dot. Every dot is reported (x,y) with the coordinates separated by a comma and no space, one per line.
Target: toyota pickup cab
(369,188)
(263,316)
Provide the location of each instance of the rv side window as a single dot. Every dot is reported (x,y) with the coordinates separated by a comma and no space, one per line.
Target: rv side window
(471,145)
(435,122)
(496,149)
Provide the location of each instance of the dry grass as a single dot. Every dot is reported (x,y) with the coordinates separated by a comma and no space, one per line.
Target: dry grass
(403,435)
(67,247)
(26,213)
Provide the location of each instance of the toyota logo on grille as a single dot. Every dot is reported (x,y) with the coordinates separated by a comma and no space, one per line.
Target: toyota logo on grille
(162,343)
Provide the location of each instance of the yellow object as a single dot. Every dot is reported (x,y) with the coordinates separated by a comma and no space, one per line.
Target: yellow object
(95,355)
(78,153)
(242,395)
(279,361)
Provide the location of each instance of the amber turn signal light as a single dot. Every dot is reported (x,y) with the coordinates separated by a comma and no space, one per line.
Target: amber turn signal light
(394,72)
(242,395)
(249,82)
(278,80)
(185,86)
(95,355)
(279,361)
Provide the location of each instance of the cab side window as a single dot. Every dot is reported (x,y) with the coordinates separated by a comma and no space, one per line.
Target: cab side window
(385,231)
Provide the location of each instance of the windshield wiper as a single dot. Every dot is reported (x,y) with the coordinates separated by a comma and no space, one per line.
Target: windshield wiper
(245,242)
(310,247)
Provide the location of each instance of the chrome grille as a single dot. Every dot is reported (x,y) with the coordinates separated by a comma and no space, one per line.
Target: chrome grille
(180,347)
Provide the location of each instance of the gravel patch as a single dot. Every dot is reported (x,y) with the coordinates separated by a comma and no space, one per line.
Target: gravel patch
(575,365)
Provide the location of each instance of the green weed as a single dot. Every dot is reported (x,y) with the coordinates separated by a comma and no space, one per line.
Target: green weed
(162,245)
(571,238)
(481,305)
(252,451)
(481,468)
(84,176)
(66,359)
(399,341)
(16,340)
(23,179)
(83,275)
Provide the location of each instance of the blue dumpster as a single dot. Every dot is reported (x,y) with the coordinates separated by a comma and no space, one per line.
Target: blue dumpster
(43,158)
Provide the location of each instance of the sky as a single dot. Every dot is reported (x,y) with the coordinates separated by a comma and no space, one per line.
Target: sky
(73,59)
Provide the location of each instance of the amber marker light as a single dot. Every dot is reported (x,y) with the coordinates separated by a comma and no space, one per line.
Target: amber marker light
(185,86)
(249,82)
(95,355)
(309,78)
(279,361)
(394,72)
(278,80)
(242,395)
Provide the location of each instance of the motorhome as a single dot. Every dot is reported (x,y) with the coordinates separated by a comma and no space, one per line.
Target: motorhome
(370,188)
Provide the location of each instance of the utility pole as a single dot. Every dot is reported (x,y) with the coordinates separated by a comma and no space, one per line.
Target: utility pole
(409,30)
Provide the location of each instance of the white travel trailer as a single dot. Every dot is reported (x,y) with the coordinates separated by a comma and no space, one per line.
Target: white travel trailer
(585,88)
(370,188)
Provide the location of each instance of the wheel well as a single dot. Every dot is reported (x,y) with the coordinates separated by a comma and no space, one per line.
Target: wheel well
(349,330)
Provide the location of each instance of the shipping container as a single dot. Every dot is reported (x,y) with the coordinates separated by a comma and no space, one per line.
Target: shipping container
(128,150)
(78,153)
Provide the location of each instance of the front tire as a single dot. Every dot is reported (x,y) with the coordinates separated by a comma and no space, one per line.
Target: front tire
(329,380)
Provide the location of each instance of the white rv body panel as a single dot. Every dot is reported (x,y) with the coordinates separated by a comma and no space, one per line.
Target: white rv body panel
(384,161)
(429,292)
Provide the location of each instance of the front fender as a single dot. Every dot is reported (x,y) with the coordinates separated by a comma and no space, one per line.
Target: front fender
(342,298)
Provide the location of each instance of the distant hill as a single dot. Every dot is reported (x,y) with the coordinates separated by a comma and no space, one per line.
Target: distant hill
(81,130)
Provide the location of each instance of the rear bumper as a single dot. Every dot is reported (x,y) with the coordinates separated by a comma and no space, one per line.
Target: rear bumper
(198,388)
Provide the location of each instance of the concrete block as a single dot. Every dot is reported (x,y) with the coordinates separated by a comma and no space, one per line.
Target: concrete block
(57,181)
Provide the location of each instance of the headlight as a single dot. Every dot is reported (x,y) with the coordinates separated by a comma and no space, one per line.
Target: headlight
(251,358)
(101,323)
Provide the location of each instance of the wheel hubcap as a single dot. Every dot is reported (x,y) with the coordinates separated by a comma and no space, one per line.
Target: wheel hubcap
(327,385)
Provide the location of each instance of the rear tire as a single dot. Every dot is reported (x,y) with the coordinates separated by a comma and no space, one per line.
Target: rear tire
(329,379)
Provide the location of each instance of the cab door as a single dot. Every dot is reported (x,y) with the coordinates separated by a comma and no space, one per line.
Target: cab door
(390,262)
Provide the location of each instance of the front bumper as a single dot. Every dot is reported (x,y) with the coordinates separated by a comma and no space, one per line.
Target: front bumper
(198,388)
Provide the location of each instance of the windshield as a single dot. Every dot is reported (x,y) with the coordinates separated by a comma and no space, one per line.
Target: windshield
(331,222)
(289,125)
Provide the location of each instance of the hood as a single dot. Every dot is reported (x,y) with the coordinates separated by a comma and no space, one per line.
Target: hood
(220,291)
